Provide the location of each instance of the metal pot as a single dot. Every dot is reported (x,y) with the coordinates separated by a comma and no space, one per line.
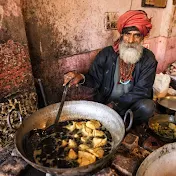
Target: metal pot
(74,110)
(161,162)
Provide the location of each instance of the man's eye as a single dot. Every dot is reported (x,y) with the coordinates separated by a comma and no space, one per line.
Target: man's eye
(137,35)
(127,34)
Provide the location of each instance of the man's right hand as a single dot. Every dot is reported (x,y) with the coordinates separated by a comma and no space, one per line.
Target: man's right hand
(73,77)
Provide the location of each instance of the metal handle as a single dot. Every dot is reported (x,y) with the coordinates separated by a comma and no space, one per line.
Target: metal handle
(8,118)
(62,102)
(131,119)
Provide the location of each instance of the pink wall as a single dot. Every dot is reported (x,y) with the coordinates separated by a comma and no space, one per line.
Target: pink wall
(158,46)
(170,55)
(160,39)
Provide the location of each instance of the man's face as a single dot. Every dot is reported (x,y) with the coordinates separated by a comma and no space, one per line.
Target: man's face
(132,37)
(130,47)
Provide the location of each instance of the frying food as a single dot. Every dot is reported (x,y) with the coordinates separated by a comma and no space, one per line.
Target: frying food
(99,142)
(73,143)
(93,124)
(167,129)
(72,154)
(85,158)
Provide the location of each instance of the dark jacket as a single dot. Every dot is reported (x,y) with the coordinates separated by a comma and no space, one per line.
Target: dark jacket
(101,77)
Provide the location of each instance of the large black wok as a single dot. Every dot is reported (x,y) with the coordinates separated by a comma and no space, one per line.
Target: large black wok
(72,110)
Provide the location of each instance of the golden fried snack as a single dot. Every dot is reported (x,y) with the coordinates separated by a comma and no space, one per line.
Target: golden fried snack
(86,131)
(93,124)
(98,133)
(98,152)
(99,142)
(84,139)
(85,158)
(72,154)
(72,143)
(83,147)
(64,143)
(79,125)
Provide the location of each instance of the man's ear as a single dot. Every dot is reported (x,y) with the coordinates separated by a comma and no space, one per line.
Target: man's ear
(121,37)
(142,37)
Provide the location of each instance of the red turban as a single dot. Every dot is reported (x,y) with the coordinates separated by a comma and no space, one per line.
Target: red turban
(135,18)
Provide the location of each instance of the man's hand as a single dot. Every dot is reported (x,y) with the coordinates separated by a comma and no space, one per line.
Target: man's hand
(73,77)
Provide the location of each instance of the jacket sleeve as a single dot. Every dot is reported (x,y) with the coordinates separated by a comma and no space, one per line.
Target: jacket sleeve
(94,76)
(143,88)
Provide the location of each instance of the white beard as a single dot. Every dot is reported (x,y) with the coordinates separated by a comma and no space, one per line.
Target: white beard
(130,53)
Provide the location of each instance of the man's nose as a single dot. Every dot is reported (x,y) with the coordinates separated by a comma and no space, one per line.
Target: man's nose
(131,39)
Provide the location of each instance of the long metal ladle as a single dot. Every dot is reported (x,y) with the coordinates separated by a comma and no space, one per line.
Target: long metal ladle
(61,103)
(54,125)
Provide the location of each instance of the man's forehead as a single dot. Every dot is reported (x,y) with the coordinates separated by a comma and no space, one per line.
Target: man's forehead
(134,32)
(128,29)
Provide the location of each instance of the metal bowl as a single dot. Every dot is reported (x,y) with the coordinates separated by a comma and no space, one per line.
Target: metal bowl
(163,124)
(161,162)
(160,125)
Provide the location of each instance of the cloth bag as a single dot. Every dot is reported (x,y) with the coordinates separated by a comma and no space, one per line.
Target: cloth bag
(161,85)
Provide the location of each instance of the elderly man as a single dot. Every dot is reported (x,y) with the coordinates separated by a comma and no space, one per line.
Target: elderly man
(123,75)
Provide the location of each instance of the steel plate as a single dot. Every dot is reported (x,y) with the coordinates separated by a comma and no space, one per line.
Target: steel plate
(168,102)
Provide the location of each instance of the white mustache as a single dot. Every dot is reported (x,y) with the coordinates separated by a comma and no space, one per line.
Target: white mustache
(131,45)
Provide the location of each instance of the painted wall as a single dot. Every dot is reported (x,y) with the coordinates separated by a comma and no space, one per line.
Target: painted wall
(69,27)
(58,29)
(171,43)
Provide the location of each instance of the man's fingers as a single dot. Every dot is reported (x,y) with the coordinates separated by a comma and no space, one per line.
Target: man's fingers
(73,78)
(73,82)
(67,78)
